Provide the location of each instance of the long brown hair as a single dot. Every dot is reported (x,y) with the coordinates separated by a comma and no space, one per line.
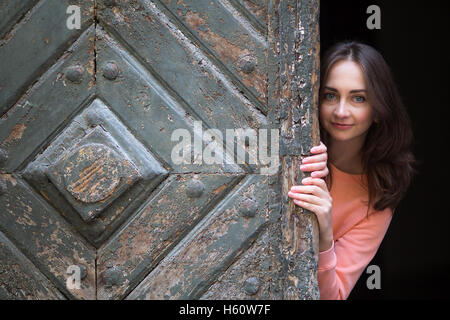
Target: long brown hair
(387,160)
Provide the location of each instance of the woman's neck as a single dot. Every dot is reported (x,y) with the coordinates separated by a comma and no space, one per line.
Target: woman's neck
(346,155)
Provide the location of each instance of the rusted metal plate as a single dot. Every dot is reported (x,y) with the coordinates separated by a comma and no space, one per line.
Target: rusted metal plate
(225,233)
(71,172)
(174,210)
(257,9)
(20,279)
(11,11)
(225,32)
(88,177)
(151,109)
(254,275)
(48,105)
(180,65)
(45,237)
(46,36)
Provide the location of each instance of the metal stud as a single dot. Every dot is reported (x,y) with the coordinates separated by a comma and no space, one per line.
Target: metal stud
(248,207)
(194,188)
(111,276)
(251,286)
(38,174)
(75,73)
(247,63)
(93,118)
(110,70)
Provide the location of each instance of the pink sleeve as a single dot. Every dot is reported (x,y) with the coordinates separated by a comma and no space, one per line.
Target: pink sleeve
(341,266)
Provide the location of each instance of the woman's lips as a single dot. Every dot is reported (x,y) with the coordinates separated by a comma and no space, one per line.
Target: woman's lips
(342,126)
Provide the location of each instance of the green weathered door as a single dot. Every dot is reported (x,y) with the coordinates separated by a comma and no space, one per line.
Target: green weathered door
(89,180)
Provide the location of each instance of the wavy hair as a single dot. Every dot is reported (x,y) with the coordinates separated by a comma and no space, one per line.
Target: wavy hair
(387,159)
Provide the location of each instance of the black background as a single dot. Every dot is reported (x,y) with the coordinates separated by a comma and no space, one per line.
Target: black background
(414,255)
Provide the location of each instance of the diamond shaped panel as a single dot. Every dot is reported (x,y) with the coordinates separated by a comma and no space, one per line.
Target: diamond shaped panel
(95,172)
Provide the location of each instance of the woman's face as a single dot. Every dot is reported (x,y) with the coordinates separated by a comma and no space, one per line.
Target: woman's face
(344,101)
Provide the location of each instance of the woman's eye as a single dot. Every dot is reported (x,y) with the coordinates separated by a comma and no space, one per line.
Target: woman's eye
(359,99)
(329,96)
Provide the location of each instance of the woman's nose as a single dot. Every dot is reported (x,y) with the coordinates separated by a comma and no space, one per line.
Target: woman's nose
(341,109)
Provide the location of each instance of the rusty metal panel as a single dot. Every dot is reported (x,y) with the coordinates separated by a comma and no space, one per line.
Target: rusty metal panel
(197,261)
(95,172)
(43,31)
(45,237)
(49,104)
(19,278)
(11,12)
(134,91)
(224,32)
(87,176)
(181,66)
(177,207)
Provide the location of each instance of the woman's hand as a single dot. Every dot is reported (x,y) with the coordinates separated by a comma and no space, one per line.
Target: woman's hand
(314,196)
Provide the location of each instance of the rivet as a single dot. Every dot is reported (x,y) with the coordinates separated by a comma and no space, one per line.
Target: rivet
(3,158)
(110,3)
(251,286)
(110,70)
(38,174)
(248,207)
(247,63)
(75,73)
(111,276)
(93,118)
(194,188)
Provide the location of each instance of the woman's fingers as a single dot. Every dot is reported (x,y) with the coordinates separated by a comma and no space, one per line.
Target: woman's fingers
(313,166)
(317,158)
(321,173)
(316,186)
(319,149)
(316,163)
(313,195)
(306,198)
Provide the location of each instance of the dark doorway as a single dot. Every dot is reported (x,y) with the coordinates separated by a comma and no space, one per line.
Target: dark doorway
(414,255)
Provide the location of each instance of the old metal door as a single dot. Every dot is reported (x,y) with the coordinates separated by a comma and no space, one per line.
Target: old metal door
(89,180)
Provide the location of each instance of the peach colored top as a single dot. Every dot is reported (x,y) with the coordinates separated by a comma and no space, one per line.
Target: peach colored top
(356,237)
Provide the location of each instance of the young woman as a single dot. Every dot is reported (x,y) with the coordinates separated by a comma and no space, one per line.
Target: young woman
(365,159)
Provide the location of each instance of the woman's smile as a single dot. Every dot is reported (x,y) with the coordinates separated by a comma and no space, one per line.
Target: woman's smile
(342,126)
